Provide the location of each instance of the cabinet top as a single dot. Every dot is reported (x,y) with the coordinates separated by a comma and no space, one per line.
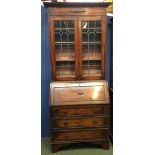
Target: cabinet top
(76,4)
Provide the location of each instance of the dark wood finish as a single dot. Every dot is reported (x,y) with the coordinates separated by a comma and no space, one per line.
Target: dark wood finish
(79,110)
(111,84)
(52,45)
(56,147)
(77,93)
(103,44)
(69,4)
(79,122)
(111,113)
(74,135)
(77,13)
(103,144)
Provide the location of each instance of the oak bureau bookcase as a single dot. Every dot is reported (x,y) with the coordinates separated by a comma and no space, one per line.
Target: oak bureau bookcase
(79,97)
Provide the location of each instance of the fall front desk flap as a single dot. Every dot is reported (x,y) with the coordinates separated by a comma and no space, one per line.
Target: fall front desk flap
(80,92)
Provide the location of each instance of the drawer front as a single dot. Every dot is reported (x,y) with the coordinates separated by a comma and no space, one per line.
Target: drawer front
(85,93)
(77,11)
(71,111)
(80,135)
(81,122)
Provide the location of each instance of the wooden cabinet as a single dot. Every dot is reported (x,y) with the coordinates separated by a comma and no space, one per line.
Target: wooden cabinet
(79,107)
(77,41)
(79,113)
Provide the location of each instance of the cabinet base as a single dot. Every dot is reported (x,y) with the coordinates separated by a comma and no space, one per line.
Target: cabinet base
(104,145)
(55,147)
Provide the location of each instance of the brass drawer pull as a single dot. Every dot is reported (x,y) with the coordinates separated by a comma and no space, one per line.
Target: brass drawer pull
(94,111)
(79,93)
(95,135)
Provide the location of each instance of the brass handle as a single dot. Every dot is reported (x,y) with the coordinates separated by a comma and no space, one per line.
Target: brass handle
(95,135)
(80,93)
(94,111)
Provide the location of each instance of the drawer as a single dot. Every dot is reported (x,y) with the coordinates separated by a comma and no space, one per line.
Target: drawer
(76,11)
(71,111)
(80,135)
(81,122)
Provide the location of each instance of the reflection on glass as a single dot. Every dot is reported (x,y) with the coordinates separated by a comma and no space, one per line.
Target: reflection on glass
(91,48)
(92,68)
(64,48)
(65,69)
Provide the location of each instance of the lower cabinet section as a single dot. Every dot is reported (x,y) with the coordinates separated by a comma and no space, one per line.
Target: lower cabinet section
(81,115)
(74,135)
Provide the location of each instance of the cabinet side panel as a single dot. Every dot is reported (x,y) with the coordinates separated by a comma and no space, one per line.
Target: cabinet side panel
(52,47)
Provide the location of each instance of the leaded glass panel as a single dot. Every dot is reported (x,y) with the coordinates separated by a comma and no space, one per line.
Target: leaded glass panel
(64,48)
(91,48)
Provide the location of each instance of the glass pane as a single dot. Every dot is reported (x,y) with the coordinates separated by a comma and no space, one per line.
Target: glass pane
(64,37)
(84,37)
(91,24)
(91,68)
(64,48)
(65,53)
(65,69)
(98,24)
(98,37)
(71,37)
(71,24)
(56,24)
(91,48)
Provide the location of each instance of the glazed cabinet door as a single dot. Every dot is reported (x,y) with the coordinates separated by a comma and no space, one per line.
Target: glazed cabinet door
(92,34)
(63,43)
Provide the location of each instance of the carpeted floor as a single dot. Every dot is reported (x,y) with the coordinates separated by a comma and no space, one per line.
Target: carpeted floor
(76,149)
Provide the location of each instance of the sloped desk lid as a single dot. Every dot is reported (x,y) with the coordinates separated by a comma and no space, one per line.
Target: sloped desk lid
(76,93)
